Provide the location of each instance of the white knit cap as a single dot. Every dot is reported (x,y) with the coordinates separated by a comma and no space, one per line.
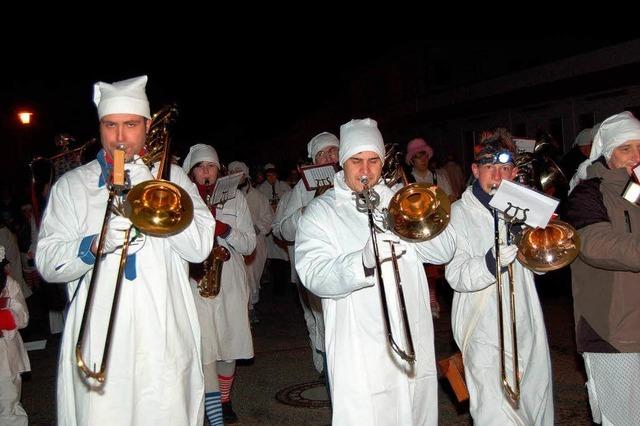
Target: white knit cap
(359,136)
(320,142)
(585,137)
(200,152)
(122,97)
(613,132)
(238,167)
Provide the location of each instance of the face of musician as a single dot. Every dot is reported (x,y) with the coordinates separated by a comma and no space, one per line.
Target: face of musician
(129,130)
(490,175)
(366,163)
(327,155)
(272,176)
(420,161)
(626,155)
(205,173)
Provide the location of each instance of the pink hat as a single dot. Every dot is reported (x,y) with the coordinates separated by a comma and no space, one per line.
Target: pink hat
(415,146)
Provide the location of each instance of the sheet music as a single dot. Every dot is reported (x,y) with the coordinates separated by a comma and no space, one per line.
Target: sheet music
(318,176)
(519,199)
(225,188)
(524,144)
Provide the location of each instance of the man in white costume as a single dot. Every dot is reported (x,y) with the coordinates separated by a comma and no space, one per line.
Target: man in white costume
(278,267)
(371,384)
(474,314)
(226,335)
(322,149)
(154,375)
(262,216)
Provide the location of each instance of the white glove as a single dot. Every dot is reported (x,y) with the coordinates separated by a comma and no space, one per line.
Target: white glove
(116,231)
(138,173)
(384,249)
(508,254)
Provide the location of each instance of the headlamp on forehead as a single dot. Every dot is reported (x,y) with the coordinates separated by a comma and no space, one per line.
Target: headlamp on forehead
(501,157)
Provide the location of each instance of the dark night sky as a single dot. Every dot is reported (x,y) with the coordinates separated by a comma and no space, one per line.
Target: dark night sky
(244,92)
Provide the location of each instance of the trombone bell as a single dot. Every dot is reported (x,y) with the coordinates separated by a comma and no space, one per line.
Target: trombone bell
(548,249)
(419,212)
(159,208)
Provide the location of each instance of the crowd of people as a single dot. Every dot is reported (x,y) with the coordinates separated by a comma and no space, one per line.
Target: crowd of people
(186,295)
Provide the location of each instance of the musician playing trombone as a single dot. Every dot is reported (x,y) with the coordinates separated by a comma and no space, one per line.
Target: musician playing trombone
(154,374)
(371,384)
(474,314)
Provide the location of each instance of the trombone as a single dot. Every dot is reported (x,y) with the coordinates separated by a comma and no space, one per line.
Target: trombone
(417,212)
(117,188)
(540,250)
(513,394)
(367,201)
(156,207)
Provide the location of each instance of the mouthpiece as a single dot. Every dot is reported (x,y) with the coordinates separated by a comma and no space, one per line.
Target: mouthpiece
(206,181)
(364,180)
(493,190)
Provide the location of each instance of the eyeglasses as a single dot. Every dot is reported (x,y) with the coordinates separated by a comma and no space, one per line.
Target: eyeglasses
(500,157)
(331,152)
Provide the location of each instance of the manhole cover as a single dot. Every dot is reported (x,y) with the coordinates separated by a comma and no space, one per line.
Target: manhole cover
(309,394)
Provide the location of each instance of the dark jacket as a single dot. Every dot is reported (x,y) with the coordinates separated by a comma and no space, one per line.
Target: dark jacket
(606,274)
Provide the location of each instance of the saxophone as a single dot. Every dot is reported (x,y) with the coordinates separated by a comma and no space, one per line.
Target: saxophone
(209,284)
(209,273)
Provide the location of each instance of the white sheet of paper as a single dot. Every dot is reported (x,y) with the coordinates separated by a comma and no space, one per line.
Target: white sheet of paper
(636,172)
(36,345)
(319,176)
(540,206)
(226,188)
(524,145)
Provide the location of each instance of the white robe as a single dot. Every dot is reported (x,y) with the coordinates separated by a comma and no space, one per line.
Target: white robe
(286,222)
(226,334)
(475,324)
(370,384)
(12,252)
(262,216)
(13,355)
(274,251)
(154,375)
(441,177)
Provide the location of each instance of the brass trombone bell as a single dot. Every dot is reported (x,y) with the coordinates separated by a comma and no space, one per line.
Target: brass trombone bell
(419,212)
(550,248)
(159,208)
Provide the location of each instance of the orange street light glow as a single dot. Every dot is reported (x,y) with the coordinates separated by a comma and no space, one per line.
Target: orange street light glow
(25,117)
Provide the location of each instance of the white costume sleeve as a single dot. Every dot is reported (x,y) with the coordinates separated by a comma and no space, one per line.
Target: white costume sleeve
(58,258)
(466,272)
(194,243)
(242,237)
(265,214)
(282,205)
(438,250)
(290,215)
(322,265)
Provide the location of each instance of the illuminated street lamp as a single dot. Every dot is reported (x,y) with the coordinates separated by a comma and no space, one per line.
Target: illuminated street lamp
(25,117)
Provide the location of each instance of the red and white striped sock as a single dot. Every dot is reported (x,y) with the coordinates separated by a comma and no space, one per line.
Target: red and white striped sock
(225,387)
